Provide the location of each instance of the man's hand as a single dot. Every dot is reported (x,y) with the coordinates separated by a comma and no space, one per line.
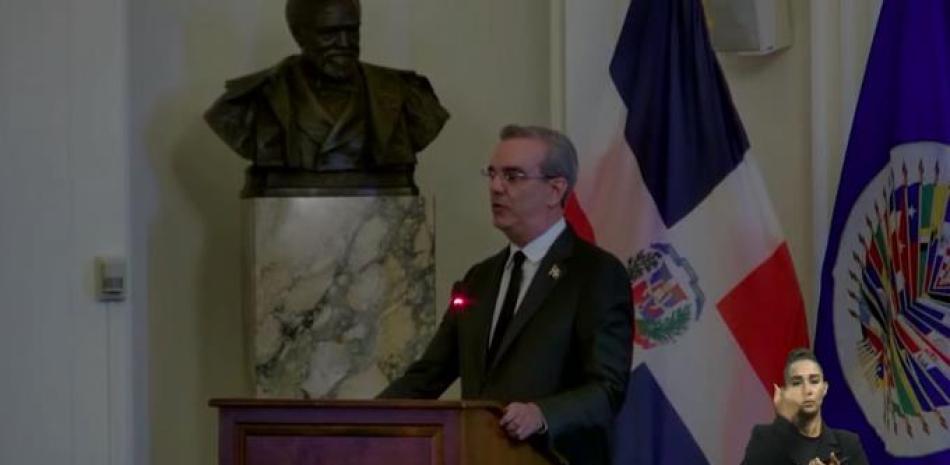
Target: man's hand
(522,420)
(787,402)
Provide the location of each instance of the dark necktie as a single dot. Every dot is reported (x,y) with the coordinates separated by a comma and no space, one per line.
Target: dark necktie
(508,305)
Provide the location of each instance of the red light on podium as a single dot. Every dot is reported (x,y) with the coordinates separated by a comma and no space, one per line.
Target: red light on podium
(458,303)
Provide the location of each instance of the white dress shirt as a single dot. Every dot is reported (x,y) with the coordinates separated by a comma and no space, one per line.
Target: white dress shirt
(534,252)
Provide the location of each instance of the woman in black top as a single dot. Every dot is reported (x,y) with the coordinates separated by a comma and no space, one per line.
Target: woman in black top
(798,436)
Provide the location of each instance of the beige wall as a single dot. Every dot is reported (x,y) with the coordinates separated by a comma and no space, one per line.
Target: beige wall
(488,61)
(797,107)
(772,95)
(66,357)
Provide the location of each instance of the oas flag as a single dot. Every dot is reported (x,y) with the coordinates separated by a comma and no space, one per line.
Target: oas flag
(883,333)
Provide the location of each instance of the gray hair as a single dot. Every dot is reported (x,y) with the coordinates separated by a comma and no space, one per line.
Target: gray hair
(561,157)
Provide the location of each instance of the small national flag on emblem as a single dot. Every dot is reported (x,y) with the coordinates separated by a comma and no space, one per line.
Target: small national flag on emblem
(883,334)
(677,196)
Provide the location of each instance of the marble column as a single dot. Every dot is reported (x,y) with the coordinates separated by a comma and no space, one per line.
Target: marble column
(340,292)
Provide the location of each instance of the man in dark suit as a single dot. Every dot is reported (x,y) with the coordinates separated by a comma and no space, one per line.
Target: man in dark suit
(543,325)
(798,436)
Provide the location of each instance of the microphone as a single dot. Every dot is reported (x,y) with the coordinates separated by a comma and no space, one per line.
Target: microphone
(459,299)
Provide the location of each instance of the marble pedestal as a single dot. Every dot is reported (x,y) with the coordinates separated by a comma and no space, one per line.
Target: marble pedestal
(339,292)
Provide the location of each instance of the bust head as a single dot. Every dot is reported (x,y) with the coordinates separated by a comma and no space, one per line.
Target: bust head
(327,32)
(277,118)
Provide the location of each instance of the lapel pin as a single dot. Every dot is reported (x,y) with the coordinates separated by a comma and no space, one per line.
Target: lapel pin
(555,272)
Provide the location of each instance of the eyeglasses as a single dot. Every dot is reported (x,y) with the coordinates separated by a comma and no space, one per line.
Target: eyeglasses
(511,175)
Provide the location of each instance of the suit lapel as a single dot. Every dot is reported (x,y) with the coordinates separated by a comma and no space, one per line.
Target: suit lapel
(541,285)
(337,135)
(305,113)
(486,293)
(385,99)
(278,97)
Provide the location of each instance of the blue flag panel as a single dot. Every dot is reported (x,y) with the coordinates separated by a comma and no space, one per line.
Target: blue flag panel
(650,431)
(681,123)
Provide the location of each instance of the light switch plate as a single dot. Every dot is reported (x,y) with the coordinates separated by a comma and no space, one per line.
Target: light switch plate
(111,279)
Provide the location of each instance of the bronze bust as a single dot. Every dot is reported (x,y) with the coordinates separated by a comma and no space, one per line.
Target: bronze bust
(323,122)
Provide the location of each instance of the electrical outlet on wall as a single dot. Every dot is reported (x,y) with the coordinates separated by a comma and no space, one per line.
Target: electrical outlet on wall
(111,282)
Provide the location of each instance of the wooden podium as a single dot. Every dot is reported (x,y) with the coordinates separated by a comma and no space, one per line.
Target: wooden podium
(392,432)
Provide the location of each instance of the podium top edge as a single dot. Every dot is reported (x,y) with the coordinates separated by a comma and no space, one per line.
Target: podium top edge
(407,404)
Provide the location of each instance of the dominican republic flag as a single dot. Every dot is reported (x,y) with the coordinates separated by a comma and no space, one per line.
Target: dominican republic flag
(676,195)
(883,334)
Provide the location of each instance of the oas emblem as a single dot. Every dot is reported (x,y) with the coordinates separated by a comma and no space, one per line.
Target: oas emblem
(892,300)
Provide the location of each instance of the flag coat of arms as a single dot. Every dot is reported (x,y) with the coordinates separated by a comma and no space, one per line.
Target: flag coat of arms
(676,195)
(883,331)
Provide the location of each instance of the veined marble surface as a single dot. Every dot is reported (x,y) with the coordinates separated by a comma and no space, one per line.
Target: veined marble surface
(340,292)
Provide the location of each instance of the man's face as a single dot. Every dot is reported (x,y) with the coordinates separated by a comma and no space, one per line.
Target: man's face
(805,377)
(522,199)
(328,32)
